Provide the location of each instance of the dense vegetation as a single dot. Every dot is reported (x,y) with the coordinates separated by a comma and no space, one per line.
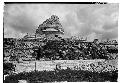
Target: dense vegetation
(63,75)
(8,68)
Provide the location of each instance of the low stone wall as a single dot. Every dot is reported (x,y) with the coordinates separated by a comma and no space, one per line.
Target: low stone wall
(91,65)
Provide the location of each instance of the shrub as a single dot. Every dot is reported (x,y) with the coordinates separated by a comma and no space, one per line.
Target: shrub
(8,67)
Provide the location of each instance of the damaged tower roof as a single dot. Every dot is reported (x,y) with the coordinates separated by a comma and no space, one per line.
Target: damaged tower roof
(50,26)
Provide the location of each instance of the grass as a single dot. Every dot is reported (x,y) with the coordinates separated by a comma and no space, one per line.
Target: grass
(63,75)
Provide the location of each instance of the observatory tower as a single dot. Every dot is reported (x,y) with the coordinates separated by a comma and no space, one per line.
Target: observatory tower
(50,28)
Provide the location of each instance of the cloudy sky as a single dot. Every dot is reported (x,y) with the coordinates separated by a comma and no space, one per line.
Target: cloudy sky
(91,20)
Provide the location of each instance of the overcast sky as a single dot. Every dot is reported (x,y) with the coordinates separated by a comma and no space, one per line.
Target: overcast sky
(91,20)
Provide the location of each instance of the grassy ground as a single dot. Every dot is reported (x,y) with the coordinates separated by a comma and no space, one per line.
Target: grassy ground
(28,66)
(63,75)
